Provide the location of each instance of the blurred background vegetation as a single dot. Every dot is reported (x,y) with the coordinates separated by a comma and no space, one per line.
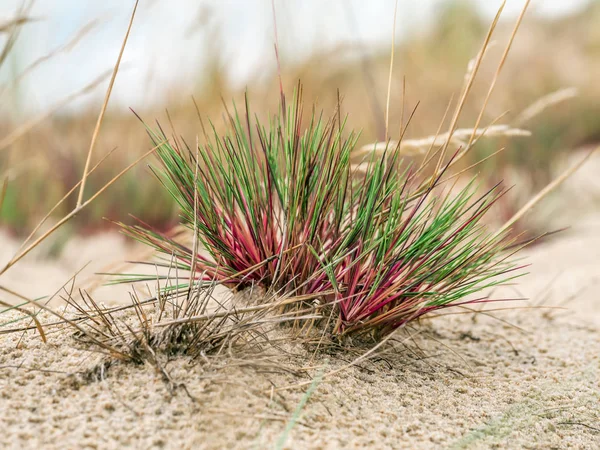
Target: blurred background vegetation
(43,161)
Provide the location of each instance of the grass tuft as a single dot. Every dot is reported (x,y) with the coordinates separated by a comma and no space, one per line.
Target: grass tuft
(280,206)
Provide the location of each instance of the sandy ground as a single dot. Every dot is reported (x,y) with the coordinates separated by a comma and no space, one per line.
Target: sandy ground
(525,378)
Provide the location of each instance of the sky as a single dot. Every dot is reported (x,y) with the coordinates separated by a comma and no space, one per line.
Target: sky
(172,41)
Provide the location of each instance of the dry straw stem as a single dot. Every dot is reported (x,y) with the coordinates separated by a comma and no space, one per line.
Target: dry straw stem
(277,47)
(83,31)
(411,147)
(472,62)
(7,26)
(104,106)
(545,102)
(269,306)
(499,69)
(42,306)
(60,202)
(547,190)
(20,131)
(3,188)
(389,88)
(75,211)
(492,84)
(465,94)
(475,133)
(95,281)
(13,28)
(64,320)
(89,315)
(38,325)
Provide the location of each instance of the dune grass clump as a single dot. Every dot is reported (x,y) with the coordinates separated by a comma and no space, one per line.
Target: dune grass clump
(281,206)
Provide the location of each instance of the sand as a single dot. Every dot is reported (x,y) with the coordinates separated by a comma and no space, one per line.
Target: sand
(528,378)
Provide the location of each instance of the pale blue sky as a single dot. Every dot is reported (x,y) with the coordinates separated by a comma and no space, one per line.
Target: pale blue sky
(169,42)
